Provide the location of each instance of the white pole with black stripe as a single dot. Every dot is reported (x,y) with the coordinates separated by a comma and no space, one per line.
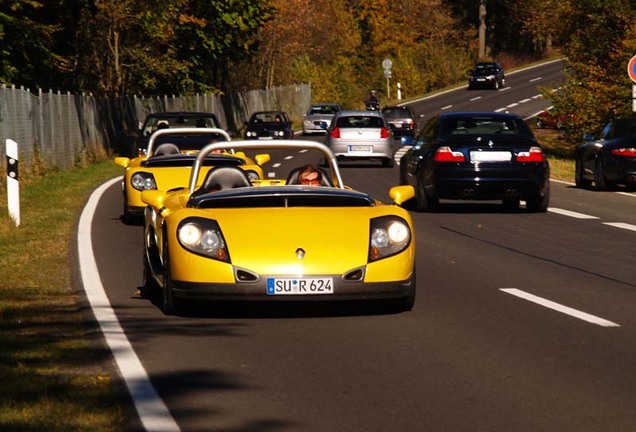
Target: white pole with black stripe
(13,183)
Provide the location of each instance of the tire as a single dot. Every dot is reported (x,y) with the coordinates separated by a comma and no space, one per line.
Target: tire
(126,217)
(409,300)
(148,286)
(600,182)
(539,203)
(168,302)
(423,201)
(579,180)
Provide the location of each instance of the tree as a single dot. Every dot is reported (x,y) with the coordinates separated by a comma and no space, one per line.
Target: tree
(26,45)
(598,38)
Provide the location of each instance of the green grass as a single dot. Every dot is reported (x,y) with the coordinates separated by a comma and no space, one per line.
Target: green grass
(54,369)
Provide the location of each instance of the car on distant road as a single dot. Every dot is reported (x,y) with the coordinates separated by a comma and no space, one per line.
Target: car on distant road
(487,74)
(318,117)
(477,156)
(269,125)
(401,120)
(608,160)
(361,135)
(226,238)
(170,120)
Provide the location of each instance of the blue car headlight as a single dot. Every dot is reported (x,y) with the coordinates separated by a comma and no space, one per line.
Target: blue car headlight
(389,236)
(203,237)
(142,181)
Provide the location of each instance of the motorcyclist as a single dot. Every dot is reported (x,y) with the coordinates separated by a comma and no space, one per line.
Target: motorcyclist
(372,102)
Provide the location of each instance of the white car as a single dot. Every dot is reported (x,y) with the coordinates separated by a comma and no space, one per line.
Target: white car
(361,135)
(318,117)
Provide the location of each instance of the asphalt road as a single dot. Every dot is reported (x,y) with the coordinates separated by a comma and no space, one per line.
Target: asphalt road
(523,322)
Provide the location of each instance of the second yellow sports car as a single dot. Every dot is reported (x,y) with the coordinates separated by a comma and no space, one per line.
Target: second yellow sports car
(168,160)
(229,238)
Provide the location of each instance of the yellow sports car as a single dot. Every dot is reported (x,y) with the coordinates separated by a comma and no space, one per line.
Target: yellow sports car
(167,164)
(229,238)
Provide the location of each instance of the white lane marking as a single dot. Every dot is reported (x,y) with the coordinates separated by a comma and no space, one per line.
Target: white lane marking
(571,213)
(152,411)
(621,225)
(288,157)
(500,109)
(505,89)
(446,107)
(474,99)
(536,79)
(560,308)
(537,96)
(276,165)
(525,100)
(512,105)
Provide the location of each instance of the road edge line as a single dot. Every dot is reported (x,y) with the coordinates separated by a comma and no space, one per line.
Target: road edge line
(153,413)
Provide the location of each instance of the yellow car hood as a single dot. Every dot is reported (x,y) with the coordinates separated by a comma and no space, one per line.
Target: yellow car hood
(297,240)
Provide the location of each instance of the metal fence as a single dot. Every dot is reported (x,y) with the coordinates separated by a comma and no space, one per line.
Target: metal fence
(60,127)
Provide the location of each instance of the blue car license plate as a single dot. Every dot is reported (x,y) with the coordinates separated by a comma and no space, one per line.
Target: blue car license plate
(299,286)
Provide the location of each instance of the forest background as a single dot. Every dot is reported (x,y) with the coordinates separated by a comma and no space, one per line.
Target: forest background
(136,47)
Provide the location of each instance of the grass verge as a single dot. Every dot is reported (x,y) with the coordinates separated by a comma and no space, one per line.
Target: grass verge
(54,369)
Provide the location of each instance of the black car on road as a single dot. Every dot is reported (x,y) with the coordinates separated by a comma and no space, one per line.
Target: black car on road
(477,156)
(609,160)
(487,75)
(269,125)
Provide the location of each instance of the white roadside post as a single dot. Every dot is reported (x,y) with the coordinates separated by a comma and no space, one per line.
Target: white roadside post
(13,184)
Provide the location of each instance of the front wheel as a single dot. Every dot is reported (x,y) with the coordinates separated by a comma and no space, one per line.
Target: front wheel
(148,285)
(409,300)
(168,302)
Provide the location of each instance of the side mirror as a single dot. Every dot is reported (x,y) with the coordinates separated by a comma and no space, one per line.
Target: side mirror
(262,158)
(153,198)
(122,161)
(401,194)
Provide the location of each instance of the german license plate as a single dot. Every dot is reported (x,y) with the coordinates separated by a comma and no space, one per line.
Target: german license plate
(490,156)
(360,148)
(299,286)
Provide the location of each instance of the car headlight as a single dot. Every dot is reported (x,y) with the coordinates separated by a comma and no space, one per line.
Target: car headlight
(143,181)
(389,235)
(278,133)
(252,175)
(203,237)
(250,133)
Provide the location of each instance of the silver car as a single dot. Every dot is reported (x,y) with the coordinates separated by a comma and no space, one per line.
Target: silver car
(361,135)
(318,117)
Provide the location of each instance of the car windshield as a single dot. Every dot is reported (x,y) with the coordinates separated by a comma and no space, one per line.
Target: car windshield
(322,109)
(396,113)
(484,126)
(267,117)
(359,122)
(165,122)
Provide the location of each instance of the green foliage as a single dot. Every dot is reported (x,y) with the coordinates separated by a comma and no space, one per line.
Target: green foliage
(599,38)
